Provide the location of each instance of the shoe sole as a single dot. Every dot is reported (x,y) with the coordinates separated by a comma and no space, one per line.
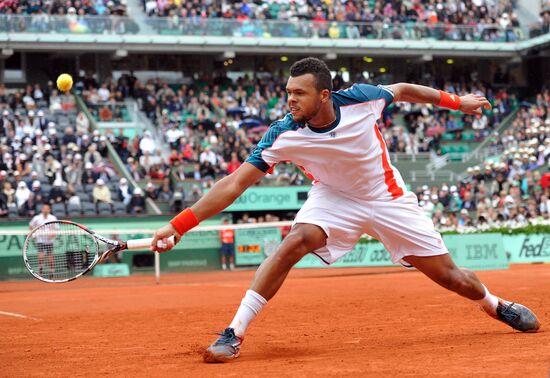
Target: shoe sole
(211,358)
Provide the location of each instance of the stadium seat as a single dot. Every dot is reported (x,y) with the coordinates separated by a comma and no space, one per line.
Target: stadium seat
(88,188)
(58,206)
(468,136)
(84,197)
(12,212)
(104,208)
(119,208)
(60,213)
(113,185)
(74,209)
(448,137)
(88,208)
(58,209)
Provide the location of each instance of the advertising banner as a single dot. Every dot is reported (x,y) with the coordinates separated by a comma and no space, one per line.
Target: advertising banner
(531,248)
(253,245)
(271,198)
(477,251)
(364,254)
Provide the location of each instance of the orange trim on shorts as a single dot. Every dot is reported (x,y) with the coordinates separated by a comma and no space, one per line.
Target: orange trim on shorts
(390,181)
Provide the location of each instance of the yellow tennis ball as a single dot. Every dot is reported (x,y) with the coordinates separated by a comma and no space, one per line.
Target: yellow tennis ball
(64,82)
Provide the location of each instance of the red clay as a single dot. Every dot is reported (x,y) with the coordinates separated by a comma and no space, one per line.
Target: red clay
(332,322)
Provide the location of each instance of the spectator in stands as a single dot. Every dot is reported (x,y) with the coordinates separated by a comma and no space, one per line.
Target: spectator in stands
(234,163)
(136,171)
(89,176)
(146,161)
(101,192)
(165,191)
(8,193)
(82,123)
(21,194)
(39,195)
(69,136)
(50,167)
(124,192)
(147,143)
(105,114)
(137,203)
(57,194)
(4,206)
(74,171)
(151,191)
(196,173)
(177,203)
(91,155)
(208,156)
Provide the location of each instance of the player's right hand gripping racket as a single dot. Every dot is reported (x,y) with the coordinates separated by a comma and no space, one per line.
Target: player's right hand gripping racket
(61,251)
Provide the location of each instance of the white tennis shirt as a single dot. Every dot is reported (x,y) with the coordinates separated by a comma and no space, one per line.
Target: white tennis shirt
(349,156)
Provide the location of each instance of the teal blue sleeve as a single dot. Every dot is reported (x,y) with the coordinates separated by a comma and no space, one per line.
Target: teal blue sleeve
(359,93)
(274,156)
(255,158)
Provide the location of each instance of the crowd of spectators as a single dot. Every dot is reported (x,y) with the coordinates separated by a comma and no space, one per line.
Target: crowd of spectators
(66,16)
(48,154)
(510,189)
(427,126)
(211,125)
(462,20)
(543,24)
(211,129)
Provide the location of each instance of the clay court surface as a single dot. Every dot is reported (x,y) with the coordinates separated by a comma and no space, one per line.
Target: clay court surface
(332,322)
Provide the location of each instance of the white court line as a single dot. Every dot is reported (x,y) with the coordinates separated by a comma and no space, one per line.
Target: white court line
(18,315)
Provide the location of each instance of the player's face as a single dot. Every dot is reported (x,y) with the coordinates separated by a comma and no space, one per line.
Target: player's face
(45,210)
(304,100)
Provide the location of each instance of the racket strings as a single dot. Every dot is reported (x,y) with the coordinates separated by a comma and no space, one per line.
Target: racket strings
(60,251)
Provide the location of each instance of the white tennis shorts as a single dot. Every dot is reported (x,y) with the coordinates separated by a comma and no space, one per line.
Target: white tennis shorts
(399,224)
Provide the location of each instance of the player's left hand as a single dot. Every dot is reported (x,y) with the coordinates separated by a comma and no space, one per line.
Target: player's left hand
(473,104)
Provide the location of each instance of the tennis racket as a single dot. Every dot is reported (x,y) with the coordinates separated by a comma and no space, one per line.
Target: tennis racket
(61,251)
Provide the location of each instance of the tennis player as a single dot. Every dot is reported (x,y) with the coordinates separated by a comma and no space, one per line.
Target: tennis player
(333,137)
(44,243)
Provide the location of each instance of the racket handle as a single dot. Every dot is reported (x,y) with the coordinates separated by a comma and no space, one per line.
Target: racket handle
(145,243)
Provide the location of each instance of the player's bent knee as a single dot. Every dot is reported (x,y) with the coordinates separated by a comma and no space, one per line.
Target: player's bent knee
(301,241)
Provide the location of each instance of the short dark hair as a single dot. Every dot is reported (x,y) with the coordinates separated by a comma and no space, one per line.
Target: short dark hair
(317,68)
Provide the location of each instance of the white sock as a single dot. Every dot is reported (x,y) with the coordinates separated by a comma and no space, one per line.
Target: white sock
(488,303)
(251,305)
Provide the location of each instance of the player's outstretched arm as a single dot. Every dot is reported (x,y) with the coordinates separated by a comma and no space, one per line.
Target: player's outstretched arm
(222,194)
(469,104)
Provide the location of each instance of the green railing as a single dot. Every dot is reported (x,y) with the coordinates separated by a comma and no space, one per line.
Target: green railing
(72,24)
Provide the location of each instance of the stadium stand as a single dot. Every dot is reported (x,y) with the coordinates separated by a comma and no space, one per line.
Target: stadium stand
(44,160)
(509,189)
(489,21)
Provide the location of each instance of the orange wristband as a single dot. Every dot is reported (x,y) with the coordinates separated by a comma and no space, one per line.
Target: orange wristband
(184,221)
(449,101)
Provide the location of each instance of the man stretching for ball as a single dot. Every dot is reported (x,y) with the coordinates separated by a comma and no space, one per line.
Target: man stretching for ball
(333,137)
